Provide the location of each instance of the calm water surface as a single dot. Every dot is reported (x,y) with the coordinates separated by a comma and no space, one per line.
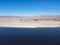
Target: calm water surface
(29,36)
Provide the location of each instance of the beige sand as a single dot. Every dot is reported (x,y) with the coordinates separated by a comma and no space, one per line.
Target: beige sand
(27,23)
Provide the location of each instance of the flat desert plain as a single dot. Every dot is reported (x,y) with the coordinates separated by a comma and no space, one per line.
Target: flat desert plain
(30,22)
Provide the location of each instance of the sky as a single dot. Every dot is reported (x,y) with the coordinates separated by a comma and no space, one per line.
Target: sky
(29,7)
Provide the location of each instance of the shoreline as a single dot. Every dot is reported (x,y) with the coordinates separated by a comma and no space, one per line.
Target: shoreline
(29,22)
(30,25)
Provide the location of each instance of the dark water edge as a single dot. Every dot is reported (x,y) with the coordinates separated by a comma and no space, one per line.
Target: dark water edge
(29,36)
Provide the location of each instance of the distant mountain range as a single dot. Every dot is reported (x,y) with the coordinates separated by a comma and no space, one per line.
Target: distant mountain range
(10,16)
(41,16)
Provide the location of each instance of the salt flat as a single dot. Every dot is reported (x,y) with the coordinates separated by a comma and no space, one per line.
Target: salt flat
(30,22)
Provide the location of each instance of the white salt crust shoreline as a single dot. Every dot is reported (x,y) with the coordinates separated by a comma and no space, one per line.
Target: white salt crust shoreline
(31,24)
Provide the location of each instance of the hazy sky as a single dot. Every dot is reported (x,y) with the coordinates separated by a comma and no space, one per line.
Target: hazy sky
(29,7)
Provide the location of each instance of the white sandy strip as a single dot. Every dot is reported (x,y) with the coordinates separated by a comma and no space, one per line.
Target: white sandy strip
(30,24)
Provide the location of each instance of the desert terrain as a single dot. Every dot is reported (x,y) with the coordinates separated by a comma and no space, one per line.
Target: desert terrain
(33,21)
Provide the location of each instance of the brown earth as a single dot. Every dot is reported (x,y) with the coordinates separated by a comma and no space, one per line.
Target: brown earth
(33,18)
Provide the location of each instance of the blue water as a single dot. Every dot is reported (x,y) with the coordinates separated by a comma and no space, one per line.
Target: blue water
(29,36)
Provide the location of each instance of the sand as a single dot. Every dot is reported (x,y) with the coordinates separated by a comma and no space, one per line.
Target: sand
(31,24)
(27,23)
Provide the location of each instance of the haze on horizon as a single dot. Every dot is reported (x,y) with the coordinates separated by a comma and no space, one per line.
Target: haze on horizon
(29,7)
